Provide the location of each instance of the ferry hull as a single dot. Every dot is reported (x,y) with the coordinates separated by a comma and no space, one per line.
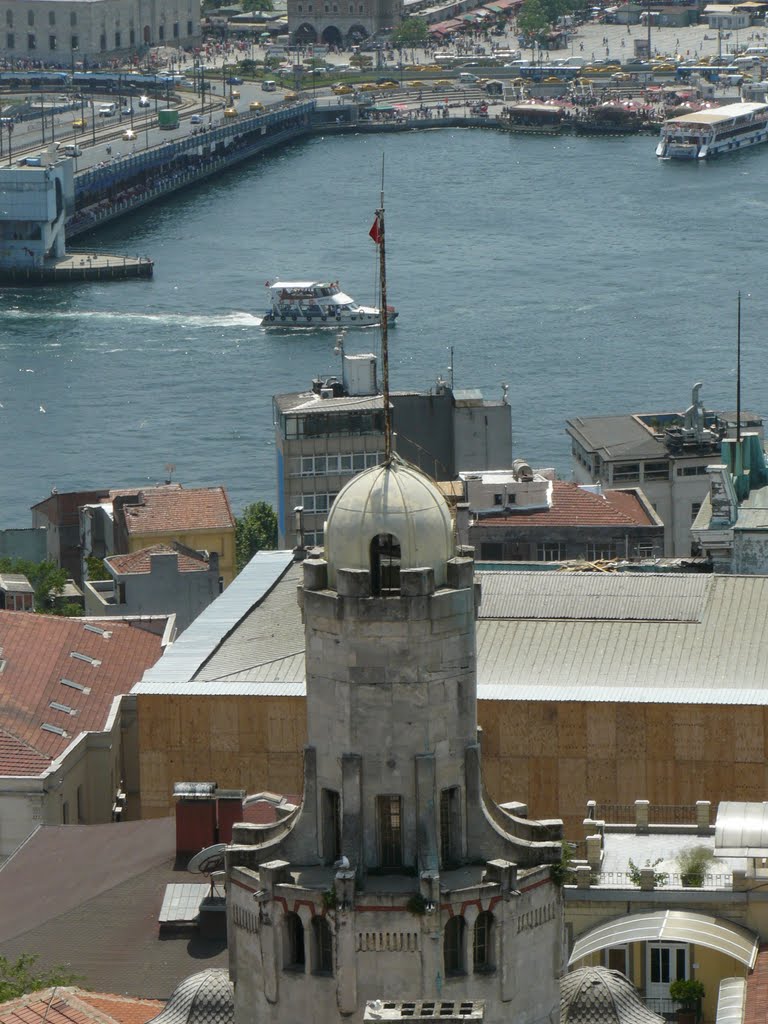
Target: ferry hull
(275,322)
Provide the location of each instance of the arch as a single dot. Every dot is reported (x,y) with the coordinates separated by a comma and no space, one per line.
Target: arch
(331,36)
(453,945)
(294,952)
(482,944)
(305,33)
(357,34)
(385,565)
(322,946)
(146,34)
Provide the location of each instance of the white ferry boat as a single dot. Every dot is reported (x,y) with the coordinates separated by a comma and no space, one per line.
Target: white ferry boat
(708,133)
(318,304)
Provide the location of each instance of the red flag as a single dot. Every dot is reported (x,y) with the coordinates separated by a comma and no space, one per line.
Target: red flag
(375,231)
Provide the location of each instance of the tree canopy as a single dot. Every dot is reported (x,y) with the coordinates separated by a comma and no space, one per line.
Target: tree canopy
(47,579)
(410,32)
(256,530)
(17,977)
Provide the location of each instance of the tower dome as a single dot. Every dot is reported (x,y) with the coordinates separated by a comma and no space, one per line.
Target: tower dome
(203,998)
(393,500)
(597,995)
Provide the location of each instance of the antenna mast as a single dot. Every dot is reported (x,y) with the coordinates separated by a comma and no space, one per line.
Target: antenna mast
(383,315)
(738,371)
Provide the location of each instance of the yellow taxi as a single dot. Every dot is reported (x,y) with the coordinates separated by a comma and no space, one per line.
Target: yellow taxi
(386,86)
(255,105)
(235,94)
(415,85)
(79,123)
(290,97)
(230,112)
(368,87)
(343,90)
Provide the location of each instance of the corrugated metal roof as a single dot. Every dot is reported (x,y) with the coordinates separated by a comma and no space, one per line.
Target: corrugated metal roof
(187,656)
(742,826)
(731,1001)
(586,595)
(215,688)
(670,926)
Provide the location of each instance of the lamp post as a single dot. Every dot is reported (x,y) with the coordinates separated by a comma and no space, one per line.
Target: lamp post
(9,126)
(42,116)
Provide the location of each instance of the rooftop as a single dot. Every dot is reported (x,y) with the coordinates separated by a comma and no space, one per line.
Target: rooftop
(173,509)
(141,561)
(573,506)
(72,1005)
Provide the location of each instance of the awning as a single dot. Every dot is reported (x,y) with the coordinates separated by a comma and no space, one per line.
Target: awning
(671,926)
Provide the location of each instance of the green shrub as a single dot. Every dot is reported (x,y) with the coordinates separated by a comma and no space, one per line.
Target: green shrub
(693,865)
(659,877)
(687,991)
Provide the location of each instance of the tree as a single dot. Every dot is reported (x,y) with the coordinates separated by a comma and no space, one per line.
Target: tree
(533,20)
(19,977)
(411,32)
(46,578)
(256,530)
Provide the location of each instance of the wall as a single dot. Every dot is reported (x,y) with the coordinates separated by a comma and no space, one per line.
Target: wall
(23,543)
(424,428)
(483,436)
(220,541)
(521,543)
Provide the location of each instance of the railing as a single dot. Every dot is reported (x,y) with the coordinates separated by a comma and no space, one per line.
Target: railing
(658,814)
(623,880)
(664,1006)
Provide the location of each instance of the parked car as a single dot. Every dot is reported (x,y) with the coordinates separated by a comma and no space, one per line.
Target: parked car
(126,111)
(196,119)
(234,80)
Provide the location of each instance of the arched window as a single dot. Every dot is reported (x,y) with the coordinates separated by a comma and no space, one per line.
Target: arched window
(385,565)
(453,945)
(294,958)
(482,948)
(322,946)
(9,19)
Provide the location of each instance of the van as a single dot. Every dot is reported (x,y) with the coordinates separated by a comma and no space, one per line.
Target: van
(107,110)
(70,150)
(268,85)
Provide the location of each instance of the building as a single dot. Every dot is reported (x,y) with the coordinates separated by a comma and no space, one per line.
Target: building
(16,593)
(62,758)
(59,516)
(395,875)
(67,32)
(526,515)
(666,454)
(340,22)
(162,579)
(127,521)
(36,202)
(732,525)
(325,435)
(65,1004)
(727,16)
(661,900)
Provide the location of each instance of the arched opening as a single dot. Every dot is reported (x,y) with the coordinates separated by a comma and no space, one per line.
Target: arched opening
(305,34)
(453,945)
(482,947)
(356,35)
(385,565)
(331,36)
(146,34)
(322,946)
(294,956)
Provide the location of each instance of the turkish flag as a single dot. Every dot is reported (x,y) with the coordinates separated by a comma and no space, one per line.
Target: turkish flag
(375,231)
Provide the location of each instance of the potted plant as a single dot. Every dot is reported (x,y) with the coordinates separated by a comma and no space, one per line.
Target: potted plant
(688,992)
(693,864)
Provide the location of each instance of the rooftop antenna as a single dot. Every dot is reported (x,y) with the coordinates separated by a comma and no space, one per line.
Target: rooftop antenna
(377,234)
(738,371)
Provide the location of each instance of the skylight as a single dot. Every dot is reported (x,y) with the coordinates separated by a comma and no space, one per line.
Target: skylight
(62,707)
(54,728)
(85,657)
(74,685)
(97,629)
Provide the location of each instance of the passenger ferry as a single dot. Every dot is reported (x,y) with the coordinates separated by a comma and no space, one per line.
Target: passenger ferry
(708,133)
(318,304)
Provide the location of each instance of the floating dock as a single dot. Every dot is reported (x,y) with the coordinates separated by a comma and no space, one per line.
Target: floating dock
(79,266)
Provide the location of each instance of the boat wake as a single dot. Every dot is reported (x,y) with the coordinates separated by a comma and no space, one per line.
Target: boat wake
(201,321)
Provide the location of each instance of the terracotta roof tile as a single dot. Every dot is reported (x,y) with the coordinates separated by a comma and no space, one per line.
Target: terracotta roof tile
(38,653)
(174,509)
(19,758)
(71,1005)
(140,561)
(572,506)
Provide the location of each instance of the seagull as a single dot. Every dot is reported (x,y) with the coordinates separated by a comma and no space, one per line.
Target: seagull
(342,863)
(42,408)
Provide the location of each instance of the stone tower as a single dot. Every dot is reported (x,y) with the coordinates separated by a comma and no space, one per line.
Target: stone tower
(396,878)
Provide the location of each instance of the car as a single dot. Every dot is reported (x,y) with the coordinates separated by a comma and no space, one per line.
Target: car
(144,101)
(255,105)
(196,119)
(234,80)
(343,90)
(291,97)
(235,94)
(126,111)
(128,135)
(230,111)
(79,124)
(68,149)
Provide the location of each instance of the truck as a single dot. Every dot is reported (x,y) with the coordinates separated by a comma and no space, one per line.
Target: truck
(168,118)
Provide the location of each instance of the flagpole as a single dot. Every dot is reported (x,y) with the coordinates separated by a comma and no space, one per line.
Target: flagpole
(383,316)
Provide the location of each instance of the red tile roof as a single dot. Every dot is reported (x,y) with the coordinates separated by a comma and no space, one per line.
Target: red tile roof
(37,654)
(174,509)
(756,1008)
(264,812)
(140,561)
(572,506)
(71,1005)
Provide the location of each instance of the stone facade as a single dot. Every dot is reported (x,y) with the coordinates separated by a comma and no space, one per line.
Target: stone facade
(340,22)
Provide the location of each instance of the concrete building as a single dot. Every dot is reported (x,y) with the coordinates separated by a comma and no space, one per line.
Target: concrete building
(340,22)
(127,521)
(16,593)
(732,525)
(62,727)
(36,201)
(666,454)
(160,580)
(395,876)
(526,515)
(325,435)
(59,516)
(86,32)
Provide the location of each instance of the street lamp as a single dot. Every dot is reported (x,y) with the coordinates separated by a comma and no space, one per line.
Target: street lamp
(9,126)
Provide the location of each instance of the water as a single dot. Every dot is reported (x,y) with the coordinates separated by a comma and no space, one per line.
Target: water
(585,273)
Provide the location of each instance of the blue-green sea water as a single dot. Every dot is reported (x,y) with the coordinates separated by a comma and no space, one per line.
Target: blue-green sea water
(586,274)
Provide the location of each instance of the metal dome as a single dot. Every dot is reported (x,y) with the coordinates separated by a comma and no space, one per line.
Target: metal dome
(204,998)
(393,498)
(597,995)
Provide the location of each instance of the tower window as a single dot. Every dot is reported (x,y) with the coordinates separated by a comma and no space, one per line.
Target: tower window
(294,958)
(390,831)
(482,949)
(331,810)
(385,565)
(453,945)
(450,827)
(322,946)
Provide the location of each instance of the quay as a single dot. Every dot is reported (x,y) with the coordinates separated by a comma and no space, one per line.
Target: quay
(79,266)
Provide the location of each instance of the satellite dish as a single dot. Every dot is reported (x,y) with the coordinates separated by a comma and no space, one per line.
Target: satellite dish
(208,860)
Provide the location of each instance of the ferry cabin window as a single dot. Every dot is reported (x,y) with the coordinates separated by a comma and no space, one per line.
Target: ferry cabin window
(389,818)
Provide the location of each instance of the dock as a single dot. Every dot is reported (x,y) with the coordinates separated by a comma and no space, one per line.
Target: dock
(79,266)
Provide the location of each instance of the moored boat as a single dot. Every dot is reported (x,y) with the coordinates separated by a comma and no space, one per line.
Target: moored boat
(533,118)
(708,133)
(316,304)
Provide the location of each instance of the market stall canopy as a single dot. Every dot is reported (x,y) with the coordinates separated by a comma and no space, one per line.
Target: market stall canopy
(671,926)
